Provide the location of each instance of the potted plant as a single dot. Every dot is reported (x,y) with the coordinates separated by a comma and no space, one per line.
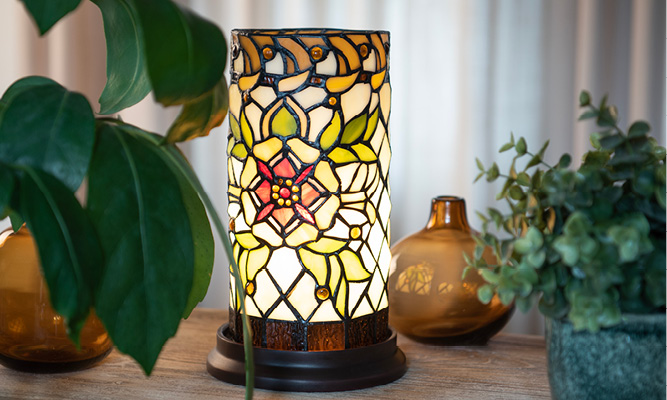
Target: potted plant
(140,251)
(588,245)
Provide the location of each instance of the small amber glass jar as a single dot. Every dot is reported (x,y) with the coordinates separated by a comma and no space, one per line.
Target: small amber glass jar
(33,337)
(429,300)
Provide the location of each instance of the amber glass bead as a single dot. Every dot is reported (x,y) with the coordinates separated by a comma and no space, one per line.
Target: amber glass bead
(430,301)
(322,293)
(316,53)
(32,336)
(268,53)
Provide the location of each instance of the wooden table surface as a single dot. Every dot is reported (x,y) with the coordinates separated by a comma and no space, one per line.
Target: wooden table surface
(509,367)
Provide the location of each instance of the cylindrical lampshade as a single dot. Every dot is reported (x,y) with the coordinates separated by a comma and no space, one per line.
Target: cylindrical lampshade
(308,186)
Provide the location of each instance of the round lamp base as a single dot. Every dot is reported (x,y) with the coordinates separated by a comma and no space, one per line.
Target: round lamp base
(308,371)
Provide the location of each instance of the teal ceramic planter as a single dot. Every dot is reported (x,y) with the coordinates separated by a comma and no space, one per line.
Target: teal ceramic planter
(626,361)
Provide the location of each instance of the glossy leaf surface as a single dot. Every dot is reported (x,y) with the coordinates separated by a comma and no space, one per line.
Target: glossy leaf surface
(69,251)
(201,115)
(145,233)
(46,13)
(185,53)
(127,78)
(47,127)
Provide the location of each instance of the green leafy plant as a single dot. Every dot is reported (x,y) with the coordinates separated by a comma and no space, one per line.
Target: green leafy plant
(140,252)
(588,244)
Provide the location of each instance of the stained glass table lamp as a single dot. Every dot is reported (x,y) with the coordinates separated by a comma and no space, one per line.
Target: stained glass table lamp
(308,163)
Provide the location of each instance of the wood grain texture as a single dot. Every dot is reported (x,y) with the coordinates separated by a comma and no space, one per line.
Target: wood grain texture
(509,367)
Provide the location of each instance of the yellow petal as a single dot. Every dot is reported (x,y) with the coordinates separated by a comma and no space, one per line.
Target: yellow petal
(305,153)
(316,264)
(339,84)
(266,150)
(256,260)
(324,214)
(326,245)
(247,240)
(302,234)
(377,79)
(354,270)
(325,176)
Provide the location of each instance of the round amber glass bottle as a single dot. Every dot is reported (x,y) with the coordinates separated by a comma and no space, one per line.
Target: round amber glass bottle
(429,300)
(32,336)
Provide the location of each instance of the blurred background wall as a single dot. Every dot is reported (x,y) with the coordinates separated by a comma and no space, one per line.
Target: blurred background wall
(465,73)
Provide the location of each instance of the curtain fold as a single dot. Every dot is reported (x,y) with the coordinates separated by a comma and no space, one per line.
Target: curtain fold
(464,74)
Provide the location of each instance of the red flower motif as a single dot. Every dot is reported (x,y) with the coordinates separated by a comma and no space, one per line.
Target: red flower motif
(286,194)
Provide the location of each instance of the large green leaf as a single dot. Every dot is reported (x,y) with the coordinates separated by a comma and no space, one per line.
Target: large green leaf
(201,115)
(127,78)
(136,205)
(47,127)
(67,244)
(46,13)
(204,246)
(185,53)
(7,183)
(26,83)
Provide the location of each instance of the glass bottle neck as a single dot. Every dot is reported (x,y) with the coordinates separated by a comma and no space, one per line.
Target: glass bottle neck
(448,212)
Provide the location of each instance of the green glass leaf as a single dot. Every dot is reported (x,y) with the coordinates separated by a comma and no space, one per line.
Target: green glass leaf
(69,251)
(364,152)
(46,13)
(145,232)
(127,77)
(7,183)
(246,131)
(354,129)
(331,133)
(201,115)
(283,123)
(185,53)
(44,126)
(235,128)
(372,124)
(239,151)
(341,156)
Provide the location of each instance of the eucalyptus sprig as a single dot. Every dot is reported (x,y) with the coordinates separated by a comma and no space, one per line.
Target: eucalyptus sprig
(140,253)
(587,244)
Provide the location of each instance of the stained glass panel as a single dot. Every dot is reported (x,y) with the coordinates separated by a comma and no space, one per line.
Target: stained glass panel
(308,188)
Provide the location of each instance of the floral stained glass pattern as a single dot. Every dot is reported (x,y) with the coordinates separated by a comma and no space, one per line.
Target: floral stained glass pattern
(308,175)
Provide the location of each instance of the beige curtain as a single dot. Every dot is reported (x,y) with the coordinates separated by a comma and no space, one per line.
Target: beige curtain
(464,74)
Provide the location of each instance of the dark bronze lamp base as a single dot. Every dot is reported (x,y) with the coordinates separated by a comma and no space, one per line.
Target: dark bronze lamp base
(308,371)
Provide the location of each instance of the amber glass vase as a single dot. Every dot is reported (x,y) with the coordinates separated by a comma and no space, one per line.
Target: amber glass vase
(430,301)
(32,336)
